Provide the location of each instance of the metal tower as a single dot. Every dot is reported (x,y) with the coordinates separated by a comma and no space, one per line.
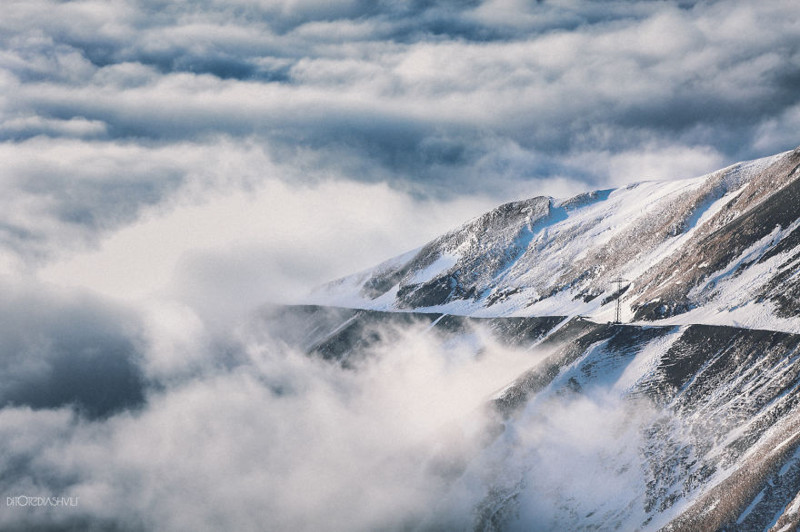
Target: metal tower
(617,315)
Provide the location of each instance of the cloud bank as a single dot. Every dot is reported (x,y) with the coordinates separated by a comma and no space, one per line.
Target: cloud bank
(110,109)
(165,167)
(280,441)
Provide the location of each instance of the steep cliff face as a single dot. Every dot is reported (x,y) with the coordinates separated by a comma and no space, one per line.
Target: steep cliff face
(718,249)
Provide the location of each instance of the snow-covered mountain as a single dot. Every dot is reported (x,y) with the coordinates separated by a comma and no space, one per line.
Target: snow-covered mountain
(684,417)
(717,249)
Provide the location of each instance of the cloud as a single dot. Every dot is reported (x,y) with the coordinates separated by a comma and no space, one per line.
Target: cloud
(65,193)
(345,83)
(109,110)
(286,441)
(568,449)
(68,349)
(223,225)
(226,253)
(282,441)
(74,127)
(654,162)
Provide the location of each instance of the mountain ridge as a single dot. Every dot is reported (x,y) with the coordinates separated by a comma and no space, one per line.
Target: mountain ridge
(703,379)
(718,249)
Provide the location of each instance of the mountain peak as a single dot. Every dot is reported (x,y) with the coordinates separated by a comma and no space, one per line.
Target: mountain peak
(687,249)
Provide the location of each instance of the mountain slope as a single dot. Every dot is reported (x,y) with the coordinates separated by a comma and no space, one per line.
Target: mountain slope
(684,418)
(613,426)
(718,249)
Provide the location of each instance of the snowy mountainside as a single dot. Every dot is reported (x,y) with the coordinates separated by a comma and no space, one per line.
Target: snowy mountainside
(611,427)
(718,249)
(685,418)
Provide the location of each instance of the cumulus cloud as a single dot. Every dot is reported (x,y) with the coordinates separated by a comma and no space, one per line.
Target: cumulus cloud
(336,79)
(283,441)
(225,253)
(441,99)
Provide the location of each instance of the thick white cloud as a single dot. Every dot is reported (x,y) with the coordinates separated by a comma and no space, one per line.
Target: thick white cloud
(284,441)
(281,442)
(230,249)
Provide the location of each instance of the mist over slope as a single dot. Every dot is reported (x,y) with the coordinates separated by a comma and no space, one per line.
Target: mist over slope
(604,427)
(721,249)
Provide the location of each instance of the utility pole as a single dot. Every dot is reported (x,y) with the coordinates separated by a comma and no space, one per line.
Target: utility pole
(617,315)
